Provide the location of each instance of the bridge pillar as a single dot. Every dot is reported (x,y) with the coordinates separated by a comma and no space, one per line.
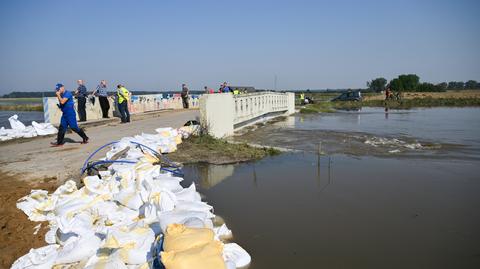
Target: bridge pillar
(217,114)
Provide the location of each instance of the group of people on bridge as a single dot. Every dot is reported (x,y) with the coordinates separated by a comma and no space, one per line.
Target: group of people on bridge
(67,106)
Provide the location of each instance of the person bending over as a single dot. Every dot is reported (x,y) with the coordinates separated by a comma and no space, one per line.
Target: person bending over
(69,117)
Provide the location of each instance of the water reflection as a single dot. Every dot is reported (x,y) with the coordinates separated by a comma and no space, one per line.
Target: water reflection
(210,175)
(327,163)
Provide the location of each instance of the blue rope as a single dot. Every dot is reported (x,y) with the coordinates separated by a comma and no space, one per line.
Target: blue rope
(172,171)
(164,158)
(95,152)
(170,163)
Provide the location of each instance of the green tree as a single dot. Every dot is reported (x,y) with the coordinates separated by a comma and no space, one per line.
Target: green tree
(442,86)
(456,85)
(410,82)
(471,84)
(377,84)
(396,85)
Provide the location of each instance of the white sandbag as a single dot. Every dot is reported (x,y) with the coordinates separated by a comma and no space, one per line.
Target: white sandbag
(134,245)
(105,261)
(235,253)
(189,194)
(162,183)
(28,132)
(160,201)
(15,123)
(44,128)
(78,248)
(222,232)
(167,132)
(129,198)
(40,258)
(195,219)
(79,224)
(37,199)
(98,186)
(67,188)
(193,205)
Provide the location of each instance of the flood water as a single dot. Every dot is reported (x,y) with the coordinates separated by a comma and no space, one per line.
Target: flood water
(24,116)
(418,207)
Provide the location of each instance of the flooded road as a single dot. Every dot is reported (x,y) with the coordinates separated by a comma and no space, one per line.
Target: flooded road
(417,208)
(432,133)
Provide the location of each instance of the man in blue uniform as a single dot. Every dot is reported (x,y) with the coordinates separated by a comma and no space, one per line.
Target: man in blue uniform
(69,117)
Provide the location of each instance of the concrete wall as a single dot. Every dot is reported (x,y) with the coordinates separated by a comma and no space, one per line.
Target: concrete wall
(138,104)
(220,114)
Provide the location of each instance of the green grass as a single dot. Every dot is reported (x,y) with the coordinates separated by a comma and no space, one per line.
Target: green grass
(205,148)
(22,107)
(21,104)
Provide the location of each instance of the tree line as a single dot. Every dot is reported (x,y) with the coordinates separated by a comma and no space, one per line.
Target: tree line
(411,83)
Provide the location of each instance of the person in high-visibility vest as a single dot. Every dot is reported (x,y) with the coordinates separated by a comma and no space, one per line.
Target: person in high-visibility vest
(123,98)
(236,91)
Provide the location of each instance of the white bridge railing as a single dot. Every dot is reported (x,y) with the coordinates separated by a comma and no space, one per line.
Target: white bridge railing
(221,114)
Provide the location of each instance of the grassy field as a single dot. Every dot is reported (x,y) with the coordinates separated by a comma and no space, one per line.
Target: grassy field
(461,98)
(21,104)
(326,107)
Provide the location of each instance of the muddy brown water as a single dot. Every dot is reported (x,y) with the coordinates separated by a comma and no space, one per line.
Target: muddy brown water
(415,209)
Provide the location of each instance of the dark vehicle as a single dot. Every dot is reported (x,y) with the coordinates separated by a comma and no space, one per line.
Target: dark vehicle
(349,96)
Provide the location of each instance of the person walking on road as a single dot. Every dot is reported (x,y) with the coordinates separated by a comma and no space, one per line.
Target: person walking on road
(184,95)
(69,117)
(102,94)
(81,94)
(123,99)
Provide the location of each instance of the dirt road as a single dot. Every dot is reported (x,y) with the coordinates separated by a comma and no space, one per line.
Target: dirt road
(36,160)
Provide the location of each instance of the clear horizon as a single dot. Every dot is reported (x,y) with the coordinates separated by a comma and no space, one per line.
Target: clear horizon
(156,45)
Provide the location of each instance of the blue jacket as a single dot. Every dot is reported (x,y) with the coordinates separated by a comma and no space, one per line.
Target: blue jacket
(69,106)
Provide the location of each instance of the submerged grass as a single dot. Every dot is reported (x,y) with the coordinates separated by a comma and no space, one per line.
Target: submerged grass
(208,149)
(402,104)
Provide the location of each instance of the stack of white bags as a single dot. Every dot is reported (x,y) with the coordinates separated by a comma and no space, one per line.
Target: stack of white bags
(120,218)
(19,129)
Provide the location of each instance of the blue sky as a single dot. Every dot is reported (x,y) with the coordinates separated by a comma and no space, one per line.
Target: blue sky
(157,45)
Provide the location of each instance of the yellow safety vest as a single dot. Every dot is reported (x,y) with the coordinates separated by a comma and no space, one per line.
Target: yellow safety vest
(123,94)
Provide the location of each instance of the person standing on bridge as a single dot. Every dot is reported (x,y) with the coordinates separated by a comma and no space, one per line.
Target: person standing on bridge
(123,99)
(102,94)
(69,117)
(184,95)
(81,94)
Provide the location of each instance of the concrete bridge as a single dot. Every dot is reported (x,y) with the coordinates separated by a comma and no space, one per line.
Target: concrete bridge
(222,114)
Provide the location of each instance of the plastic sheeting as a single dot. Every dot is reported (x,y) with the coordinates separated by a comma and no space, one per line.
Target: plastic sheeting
(19,130)
(118,219)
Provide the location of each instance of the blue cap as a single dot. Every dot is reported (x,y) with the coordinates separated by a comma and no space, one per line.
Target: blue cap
(58,86)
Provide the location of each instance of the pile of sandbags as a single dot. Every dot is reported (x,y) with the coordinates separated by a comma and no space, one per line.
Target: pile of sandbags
(19,130)
(133,215)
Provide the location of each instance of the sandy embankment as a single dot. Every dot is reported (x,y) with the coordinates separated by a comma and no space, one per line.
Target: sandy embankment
(17,236)
(33,164)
